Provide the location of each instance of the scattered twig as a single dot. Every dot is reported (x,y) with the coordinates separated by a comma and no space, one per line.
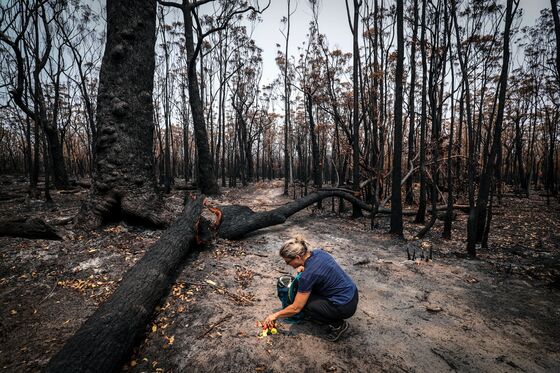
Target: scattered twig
(226,317)
(367,314)
(362,262)
(236,297)
(403,308)
(256,254)
(450,363)
(50,293)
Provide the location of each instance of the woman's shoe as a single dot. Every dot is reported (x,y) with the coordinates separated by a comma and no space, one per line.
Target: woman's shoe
(337,331)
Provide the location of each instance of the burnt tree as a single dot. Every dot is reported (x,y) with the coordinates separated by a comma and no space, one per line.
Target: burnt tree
(480,214)
(124,184)
(31,25)
(396,199)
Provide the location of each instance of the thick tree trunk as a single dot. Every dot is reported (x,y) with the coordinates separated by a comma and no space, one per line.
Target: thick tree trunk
(106,339)
(124,181)
(56,157)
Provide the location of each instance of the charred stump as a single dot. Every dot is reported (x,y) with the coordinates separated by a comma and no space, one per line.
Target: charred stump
(105,340)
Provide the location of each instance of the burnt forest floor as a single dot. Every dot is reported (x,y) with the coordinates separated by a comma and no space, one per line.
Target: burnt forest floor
(496,314)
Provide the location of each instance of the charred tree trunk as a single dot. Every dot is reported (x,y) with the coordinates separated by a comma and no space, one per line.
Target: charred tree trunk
(238,221)
(396,199)
(356,211)
(486,178)
(106,339)
(421,215)
(411,108)
(556,18)
(521,179)
(449,213)
(317,171)
(124,183)
(287,92)
(206,178)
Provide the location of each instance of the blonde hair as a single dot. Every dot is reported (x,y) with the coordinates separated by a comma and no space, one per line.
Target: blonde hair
(296,246)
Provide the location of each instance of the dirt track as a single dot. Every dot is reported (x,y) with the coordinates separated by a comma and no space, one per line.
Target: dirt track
(486,323)
(415,316)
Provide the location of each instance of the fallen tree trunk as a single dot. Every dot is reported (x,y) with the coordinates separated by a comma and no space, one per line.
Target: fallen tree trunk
(238,220)
(106,339)
(29,228)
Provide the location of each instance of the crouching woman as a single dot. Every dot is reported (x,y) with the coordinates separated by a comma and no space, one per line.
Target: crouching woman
(326,294)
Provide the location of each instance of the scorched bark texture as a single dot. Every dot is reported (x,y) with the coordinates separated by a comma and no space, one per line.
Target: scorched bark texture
(106,339)
(124,181)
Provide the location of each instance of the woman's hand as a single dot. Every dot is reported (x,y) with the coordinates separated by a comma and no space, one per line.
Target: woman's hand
(270,319)
(300,269)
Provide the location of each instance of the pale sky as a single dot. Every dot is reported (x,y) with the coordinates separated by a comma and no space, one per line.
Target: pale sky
(333,22)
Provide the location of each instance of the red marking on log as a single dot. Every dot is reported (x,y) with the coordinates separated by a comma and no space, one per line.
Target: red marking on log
(218,214)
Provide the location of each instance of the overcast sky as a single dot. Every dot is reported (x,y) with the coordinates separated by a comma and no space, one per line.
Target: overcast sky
(332,21)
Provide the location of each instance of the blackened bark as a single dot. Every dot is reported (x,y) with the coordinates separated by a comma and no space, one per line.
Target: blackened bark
(28,228)
(317,170)
(449,213)
(556,18)
(206,177)
(463,62)
(421,215)
(486,177)
(106,339)
(356,211)
(238,221)
(411,108)
(521,178)
(287,158)
(124,181)
(396,199)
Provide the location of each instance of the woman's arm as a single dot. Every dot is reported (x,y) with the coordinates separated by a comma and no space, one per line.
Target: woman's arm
(292,309)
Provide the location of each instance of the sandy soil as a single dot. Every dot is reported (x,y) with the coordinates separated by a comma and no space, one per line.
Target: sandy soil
(449,314)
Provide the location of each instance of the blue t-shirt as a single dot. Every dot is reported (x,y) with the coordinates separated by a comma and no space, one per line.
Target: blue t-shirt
(323,276)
